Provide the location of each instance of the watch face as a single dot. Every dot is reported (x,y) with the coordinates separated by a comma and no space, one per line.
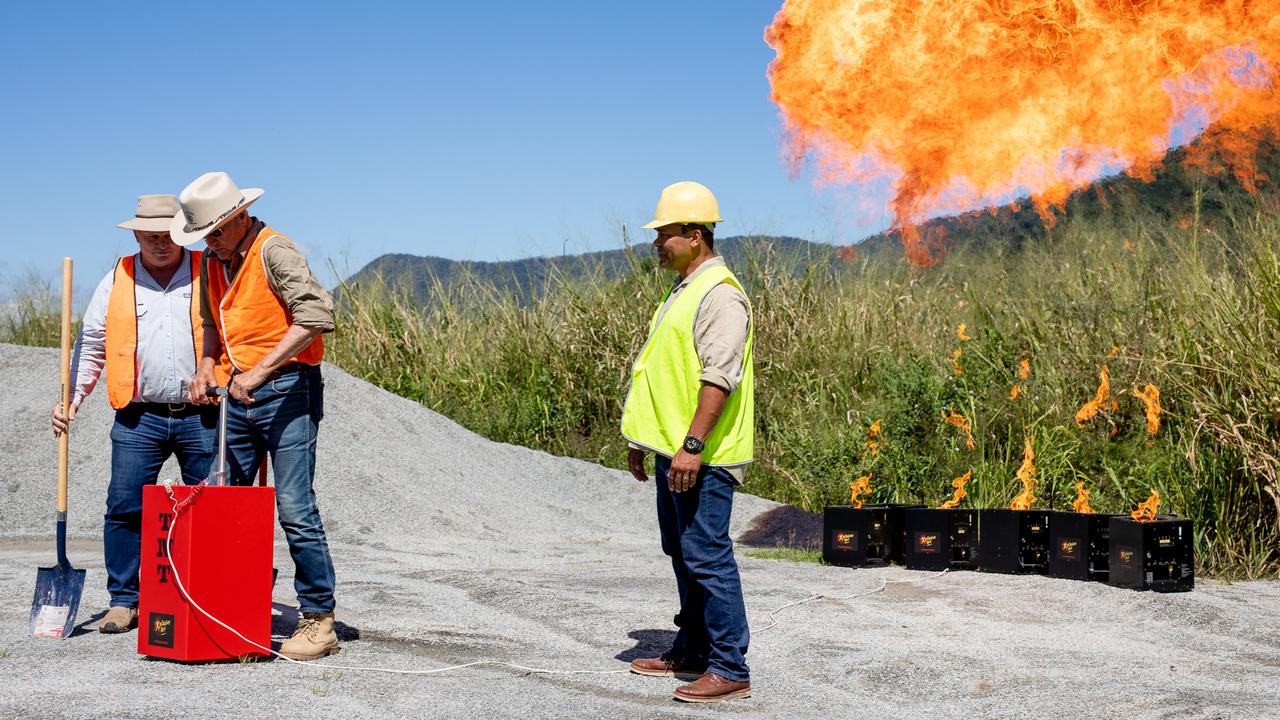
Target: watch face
(693,445)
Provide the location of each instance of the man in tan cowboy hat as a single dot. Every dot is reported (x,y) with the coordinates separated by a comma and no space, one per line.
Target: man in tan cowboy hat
(264,309)
(143,328)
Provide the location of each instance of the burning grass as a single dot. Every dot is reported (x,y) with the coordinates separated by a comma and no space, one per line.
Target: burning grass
(841,346)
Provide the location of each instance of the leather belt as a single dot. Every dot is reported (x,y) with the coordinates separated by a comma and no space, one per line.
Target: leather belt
(170,409)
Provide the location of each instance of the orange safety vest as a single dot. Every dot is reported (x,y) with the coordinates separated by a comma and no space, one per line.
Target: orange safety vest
(251,318)
(122,329)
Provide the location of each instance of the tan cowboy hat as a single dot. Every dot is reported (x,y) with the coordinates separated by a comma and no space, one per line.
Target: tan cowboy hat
(154,214)
(208,202)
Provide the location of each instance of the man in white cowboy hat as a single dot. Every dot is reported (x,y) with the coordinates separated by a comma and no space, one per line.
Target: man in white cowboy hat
(143,328)
(691,403)
(264,309)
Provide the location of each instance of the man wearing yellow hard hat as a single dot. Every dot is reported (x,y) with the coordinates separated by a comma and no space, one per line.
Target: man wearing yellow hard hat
(691,405)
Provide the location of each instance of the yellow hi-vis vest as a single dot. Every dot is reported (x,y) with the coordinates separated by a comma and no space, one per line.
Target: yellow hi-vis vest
(665,383)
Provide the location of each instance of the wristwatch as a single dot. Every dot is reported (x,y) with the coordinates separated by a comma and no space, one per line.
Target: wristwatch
(693,445)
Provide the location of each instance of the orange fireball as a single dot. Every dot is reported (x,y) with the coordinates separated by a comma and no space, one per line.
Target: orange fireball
(965,104)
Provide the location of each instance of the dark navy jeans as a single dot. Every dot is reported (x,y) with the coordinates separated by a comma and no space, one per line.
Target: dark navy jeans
(141,442)
(695,533)
(283,421)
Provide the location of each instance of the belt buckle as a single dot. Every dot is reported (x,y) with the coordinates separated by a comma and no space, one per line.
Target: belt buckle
(176,407)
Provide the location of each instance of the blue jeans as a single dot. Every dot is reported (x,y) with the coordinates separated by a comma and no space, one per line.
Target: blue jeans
(141,442)
(283,421)
(695,533)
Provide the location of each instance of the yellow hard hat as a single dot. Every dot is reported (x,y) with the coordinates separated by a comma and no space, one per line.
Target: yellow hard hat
(686,202)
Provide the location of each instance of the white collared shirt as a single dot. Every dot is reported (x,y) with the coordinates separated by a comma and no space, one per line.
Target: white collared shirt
(165,352)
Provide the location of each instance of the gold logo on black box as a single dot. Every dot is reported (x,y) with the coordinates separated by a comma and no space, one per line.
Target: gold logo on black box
(1068,549)
(1126,557)
(160,630)
(927,542)
(845,540)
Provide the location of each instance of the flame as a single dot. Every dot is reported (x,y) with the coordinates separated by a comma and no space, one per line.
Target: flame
(1024,373)
(960,333)
(1146,511)
(873,438)
(1027,474)
(1115,350)
(961,105)
(1150,396)
(858,488)
(959,494)
(956,419)
(1101,399)
(1081,503)
(956,367)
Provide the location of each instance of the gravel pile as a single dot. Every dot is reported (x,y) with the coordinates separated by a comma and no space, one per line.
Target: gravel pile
(450,548)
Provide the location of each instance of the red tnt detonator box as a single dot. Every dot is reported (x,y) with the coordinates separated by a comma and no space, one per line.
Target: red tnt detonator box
(221,548)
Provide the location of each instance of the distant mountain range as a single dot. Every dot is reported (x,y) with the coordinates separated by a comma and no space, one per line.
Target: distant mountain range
(1171,195)
(526,278)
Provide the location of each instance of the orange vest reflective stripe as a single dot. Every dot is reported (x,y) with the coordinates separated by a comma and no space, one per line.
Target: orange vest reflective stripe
(122,329)
(251,318)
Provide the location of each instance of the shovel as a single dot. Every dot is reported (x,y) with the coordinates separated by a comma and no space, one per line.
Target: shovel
(58,588)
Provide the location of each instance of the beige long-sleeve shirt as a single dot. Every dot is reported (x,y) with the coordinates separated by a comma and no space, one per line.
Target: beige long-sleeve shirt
(720,333)
(290,279)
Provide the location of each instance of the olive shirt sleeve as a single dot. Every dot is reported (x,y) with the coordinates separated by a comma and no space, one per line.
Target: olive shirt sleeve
(290,277)
(720,336)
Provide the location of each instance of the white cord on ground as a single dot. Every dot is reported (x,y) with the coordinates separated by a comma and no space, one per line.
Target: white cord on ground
(168,486)
(354,668)
(883,583)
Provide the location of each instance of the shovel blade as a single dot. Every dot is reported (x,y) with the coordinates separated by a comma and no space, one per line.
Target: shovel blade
(53,611)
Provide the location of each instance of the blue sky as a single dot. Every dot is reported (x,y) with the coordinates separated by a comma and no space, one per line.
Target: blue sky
(477,131)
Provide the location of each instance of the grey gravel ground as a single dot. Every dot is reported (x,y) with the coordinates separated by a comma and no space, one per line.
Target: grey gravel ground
(450,548)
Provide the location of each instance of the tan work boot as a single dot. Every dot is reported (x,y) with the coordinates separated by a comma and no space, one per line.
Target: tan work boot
(118,620)
(313,639)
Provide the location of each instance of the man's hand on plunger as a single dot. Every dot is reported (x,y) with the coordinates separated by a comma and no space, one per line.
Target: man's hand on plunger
(243,384)
(197,389)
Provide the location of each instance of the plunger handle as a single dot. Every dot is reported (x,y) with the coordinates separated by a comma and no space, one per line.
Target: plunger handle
(220,471)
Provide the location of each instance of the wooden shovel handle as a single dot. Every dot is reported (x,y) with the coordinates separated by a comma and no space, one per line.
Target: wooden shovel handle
(64,438)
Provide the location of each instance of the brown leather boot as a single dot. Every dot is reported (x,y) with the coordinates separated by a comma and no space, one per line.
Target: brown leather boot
(712,688)
(664,666)
(118,620)
(313,639)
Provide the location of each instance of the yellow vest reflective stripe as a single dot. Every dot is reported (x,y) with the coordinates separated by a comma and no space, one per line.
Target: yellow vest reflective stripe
(665,383)
(122,329)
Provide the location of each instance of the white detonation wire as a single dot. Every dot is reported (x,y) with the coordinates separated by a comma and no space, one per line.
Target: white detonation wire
(168,487)
(883,583)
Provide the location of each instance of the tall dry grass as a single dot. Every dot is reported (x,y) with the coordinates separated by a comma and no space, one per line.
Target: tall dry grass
(1194,311)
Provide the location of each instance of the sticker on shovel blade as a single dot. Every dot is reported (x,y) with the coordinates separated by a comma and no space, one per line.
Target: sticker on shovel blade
(51,620)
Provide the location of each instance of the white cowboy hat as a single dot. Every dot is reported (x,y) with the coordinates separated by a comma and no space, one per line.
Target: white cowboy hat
(208,202)
(154,214)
